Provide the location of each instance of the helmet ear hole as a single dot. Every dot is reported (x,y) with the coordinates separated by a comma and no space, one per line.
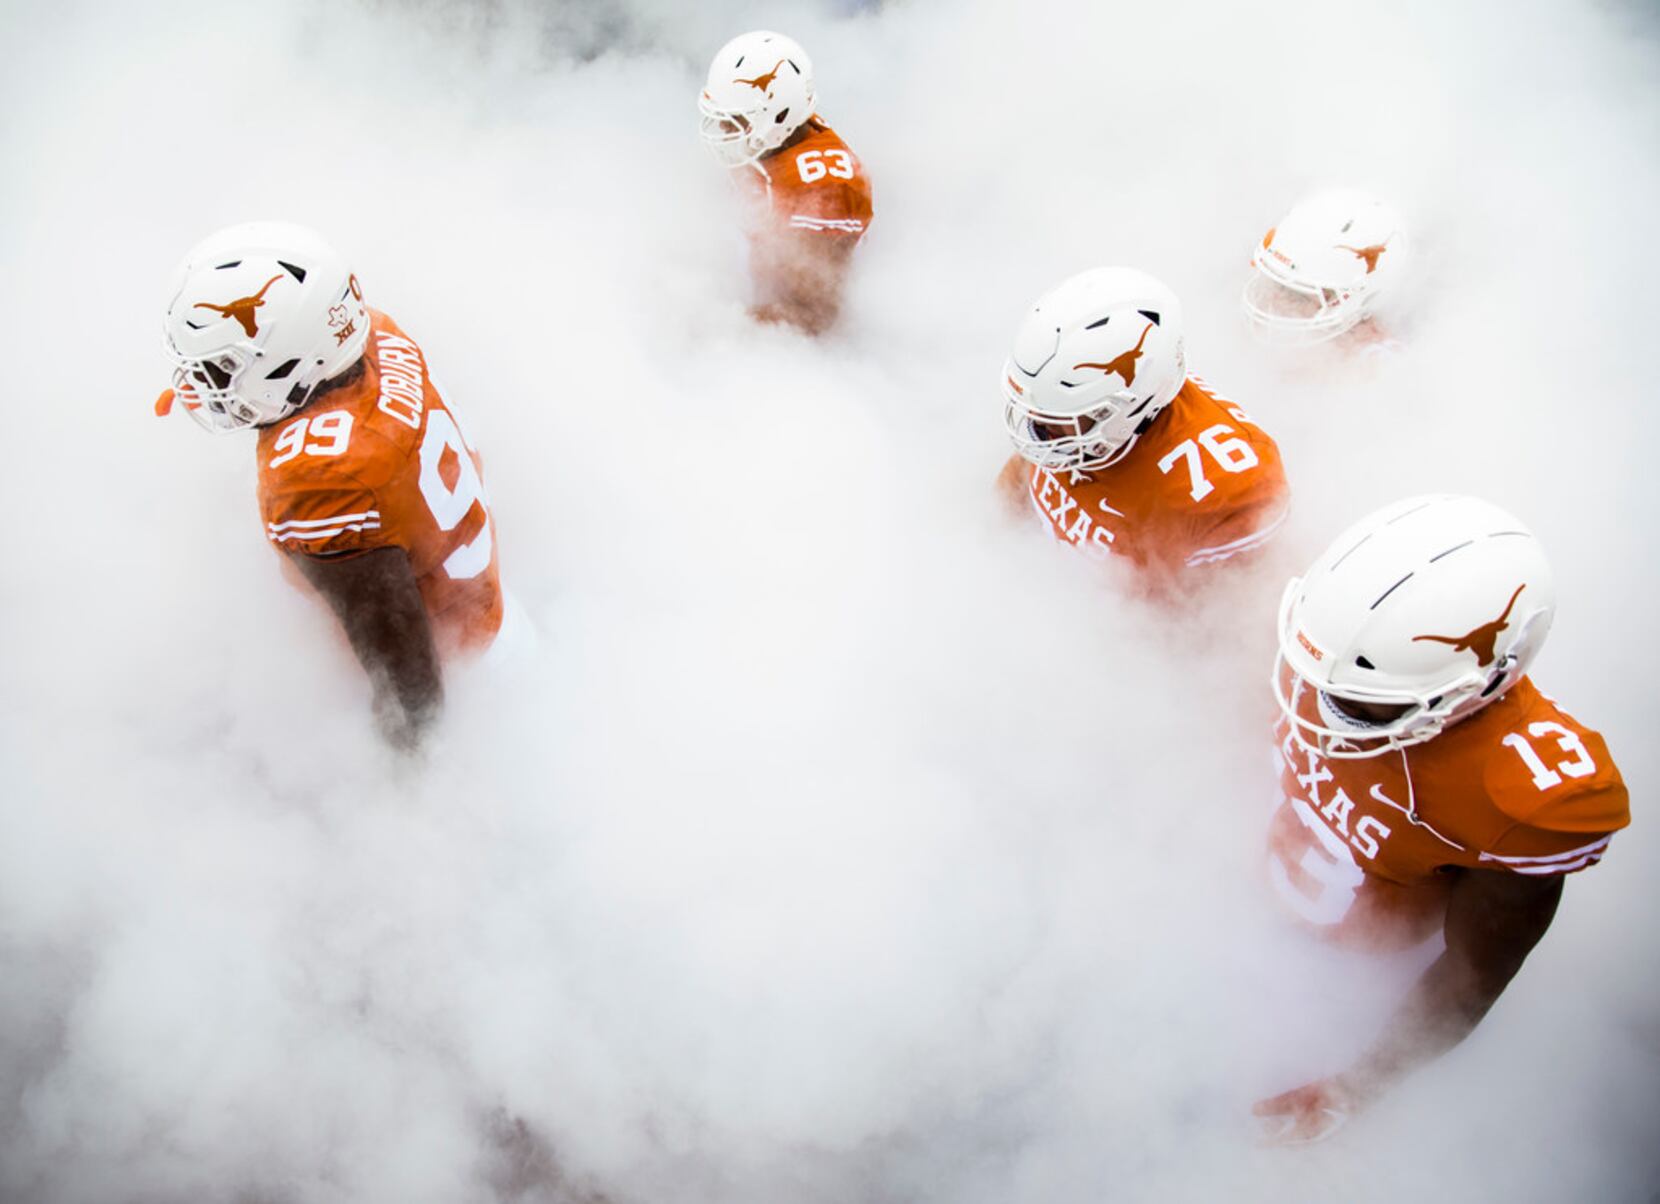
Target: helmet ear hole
(783,115)
(1501,674)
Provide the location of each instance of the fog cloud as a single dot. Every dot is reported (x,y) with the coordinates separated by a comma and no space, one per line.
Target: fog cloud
(844,841)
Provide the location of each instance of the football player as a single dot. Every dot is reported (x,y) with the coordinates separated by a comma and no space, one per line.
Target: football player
(810,198)
(1117,449)
(1427,784)
(1320,273)
(366,483)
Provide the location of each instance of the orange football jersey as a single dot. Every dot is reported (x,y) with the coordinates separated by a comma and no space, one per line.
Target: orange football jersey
(815,186)
(1366,849)
(382,462)
(1201,485)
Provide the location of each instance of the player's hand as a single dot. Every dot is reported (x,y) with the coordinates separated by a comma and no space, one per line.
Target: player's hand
(1306,1114)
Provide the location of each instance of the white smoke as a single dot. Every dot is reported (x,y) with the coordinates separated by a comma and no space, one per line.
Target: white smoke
(844,841)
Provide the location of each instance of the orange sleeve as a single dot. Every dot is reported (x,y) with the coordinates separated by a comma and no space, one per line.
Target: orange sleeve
(840,208)
(1013,482)
(830,204)
(1245,526)
(325,520)
(1566,795)
(1552,774)
(1537,852)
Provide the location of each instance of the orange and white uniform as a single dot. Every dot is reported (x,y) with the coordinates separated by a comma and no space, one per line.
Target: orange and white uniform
(1367,849)
(382,462)
(815,188)
(1201,485)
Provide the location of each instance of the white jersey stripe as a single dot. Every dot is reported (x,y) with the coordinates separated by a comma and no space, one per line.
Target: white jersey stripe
(1581,851)
(1556,867)
(323,522)
(851,224)
(1243,544)
(326,533)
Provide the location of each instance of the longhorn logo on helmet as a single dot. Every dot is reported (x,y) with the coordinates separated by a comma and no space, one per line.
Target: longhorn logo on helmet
(764,82)
(242,309)
(1479,640)
(1122,365)
(1369,254)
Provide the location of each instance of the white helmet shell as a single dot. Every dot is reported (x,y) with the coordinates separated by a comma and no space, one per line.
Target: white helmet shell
(1437,604)
(1323,268)
(261,313)
(1094,363)
(759,92)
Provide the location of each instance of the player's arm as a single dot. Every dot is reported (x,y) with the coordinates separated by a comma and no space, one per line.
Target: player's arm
(1013,483)
(1240,532)
(1494,919)
(803,273)
(375,597)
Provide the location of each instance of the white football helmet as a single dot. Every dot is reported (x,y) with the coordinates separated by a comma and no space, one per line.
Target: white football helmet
(1094,363)
(1323,267)
(262,313)
(759,92)
(1437,604)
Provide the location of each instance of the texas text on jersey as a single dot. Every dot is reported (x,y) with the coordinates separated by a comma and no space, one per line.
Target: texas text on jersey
(1201,485)
(1366,849)
(382,462)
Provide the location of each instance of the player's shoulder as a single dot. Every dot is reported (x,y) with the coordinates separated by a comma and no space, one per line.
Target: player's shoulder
(1536,764)
(819,160)
(1202,405)
(822,137)
(319,482)
(362,432)
(1205,451)
(390,345)
(381,321)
